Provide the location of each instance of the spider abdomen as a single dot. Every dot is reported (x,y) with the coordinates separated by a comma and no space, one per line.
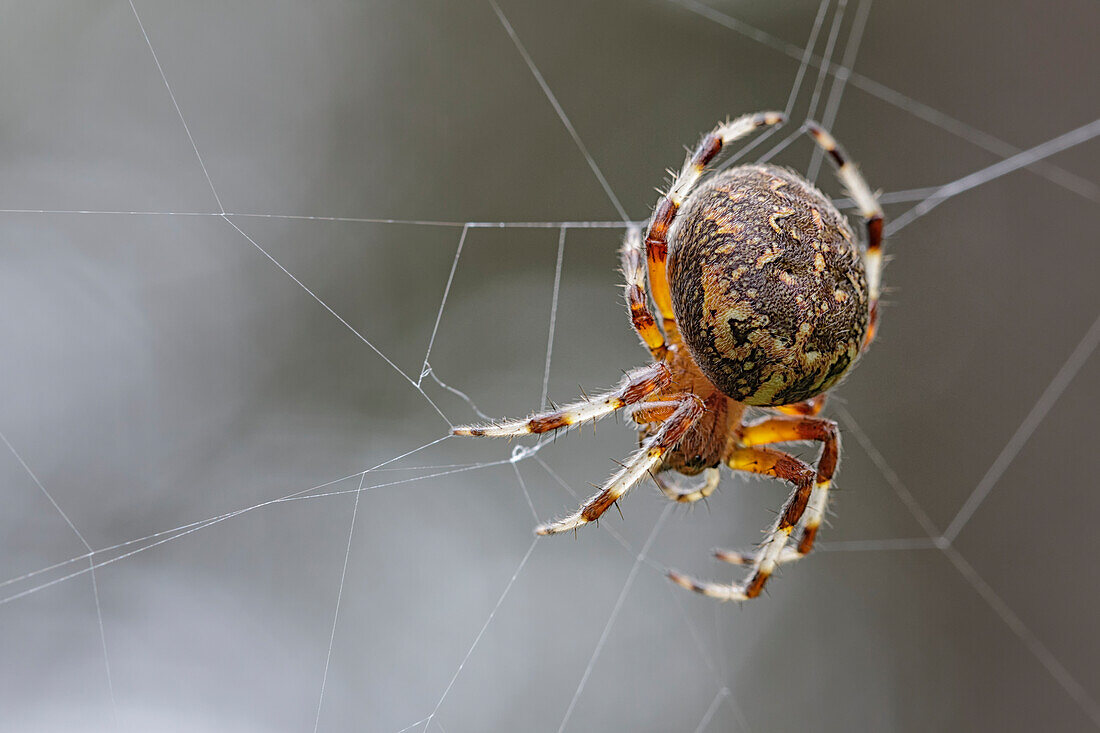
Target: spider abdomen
(768,286)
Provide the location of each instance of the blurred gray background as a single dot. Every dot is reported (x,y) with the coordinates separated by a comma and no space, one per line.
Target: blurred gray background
(158,371)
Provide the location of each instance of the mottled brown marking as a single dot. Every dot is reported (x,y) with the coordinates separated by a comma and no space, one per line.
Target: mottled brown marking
(748,291)
(777,217)
(770,254)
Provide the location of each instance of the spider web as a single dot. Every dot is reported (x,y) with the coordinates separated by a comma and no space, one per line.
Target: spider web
(321,556)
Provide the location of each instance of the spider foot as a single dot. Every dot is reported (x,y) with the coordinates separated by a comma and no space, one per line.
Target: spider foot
(572,522)
(789,554)
(712,590)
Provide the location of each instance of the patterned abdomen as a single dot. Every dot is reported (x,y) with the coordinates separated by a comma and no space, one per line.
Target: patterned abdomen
(768,286)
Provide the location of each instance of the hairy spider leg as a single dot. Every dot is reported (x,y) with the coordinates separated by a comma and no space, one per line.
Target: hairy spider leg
(641,317)
(779,465)
(810,407)
(790,429)
(869,208)
(634,387)
(689,408)
(656,240)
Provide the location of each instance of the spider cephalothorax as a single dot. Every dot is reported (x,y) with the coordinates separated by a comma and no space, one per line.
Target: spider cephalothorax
(765,299)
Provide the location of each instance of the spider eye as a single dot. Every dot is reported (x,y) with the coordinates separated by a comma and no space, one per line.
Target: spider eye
(695,462)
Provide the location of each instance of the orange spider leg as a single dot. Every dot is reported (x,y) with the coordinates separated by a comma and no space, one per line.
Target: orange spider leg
(788,429)
(872,214)
(780,465)
(656,241)
(781,430)
(636,298)
(809,407)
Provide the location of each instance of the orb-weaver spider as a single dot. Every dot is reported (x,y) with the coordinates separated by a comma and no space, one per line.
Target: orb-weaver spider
(765,300)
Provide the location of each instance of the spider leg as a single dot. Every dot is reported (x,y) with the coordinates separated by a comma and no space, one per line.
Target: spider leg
(641,317)
(635,386)
(712,479)
(809,407)
(869,207)
(787,429)
(690,408)
(656,241)
(771,463)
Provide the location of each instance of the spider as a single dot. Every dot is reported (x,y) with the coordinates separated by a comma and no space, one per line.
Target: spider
(766,300)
